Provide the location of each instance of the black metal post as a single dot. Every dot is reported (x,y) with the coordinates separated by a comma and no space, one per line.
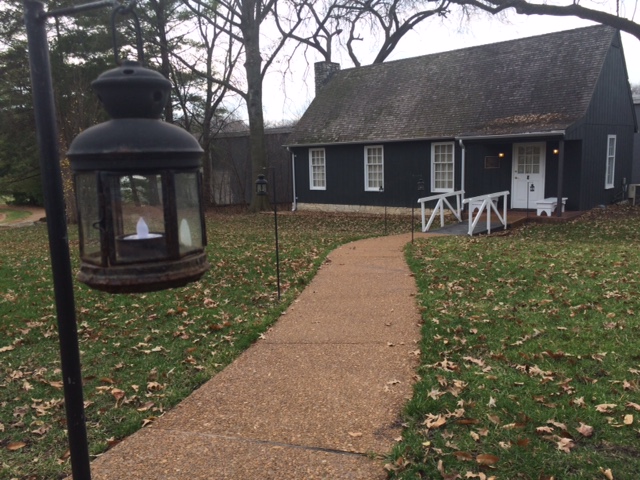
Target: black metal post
(46,126)
(527,196)
(275,221)
(412,221)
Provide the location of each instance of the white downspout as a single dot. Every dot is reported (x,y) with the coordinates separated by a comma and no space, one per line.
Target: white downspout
(462,173)
(294,204)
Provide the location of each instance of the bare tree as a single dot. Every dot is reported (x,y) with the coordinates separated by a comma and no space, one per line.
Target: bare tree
(348,22)
(571,9)
(243,22)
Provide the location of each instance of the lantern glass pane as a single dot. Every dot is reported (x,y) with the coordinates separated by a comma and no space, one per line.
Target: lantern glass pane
(190,228)
(138,217)
(88,217)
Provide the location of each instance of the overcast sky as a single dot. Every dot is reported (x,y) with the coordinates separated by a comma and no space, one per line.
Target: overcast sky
(287,95)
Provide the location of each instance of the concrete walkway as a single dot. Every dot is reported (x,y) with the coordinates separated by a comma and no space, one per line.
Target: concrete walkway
(320,397)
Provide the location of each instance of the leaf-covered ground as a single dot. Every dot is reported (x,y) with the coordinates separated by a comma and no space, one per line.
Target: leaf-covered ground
(531,354)
(142,354)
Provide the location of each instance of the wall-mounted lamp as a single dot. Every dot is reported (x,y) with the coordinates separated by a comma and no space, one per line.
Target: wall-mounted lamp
(556,151)
(501,155)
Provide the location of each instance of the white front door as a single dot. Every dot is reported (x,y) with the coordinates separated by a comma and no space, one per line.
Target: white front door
(528,174)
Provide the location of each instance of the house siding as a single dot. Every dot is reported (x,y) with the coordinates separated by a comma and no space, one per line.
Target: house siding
(609,113)
(404,163)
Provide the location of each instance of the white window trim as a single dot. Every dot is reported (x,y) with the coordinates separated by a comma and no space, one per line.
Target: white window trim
(610,166)
(433,167)
(324,156)
(366,169)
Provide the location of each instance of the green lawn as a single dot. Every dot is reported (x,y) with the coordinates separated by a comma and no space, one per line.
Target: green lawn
(531,354)
(13,215)
(530,364)
(142,354)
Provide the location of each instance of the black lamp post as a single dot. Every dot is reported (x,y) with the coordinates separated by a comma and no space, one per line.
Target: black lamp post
(420,189)
(127,172)
(262,189)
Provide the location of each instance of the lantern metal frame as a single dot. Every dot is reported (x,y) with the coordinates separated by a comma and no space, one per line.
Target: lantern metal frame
(135,143)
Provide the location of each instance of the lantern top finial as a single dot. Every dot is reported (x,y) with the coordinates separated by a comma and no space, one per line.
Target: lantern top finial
(132,91)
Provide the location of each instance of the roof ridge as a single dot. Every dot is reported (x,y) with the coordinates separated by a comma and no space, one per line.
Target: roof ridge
(484,45)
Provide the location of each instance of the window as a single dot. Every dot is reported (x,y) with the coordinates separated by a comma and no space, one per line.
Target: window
(611,161)
(317,169)
(373,169)
(528,159)
(442,167)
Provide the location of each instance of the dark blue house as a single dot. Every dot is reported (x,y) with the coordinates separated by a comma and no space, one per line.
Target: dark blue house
(545,116)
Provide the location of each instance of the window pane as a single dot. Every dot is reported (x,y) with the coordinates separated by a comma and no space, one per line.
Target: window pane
(374,168)
(317,169)
(190,234)
(442,166)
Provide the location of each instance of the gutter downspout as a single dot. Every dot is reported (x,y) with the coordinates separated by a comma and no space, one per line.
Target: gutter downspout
(560,178)
(294,203)
(462,173)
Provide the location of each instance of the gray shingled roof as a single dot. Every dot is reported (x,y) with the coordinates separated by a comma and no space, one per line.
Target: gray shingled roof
(535,84)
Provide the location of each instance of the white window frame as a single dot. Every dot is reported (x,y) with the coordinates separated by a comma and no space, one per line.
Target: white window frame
(433,167)
(317,182)
(610,164)
(379,187)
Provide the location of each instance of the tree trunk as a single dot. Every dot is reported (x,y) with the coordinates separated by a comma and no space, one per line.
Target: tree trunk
(253,67)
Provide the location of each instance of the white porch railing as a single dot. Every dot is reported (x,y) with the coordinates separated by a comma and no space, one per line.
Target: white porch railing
(440,207)
(486,203)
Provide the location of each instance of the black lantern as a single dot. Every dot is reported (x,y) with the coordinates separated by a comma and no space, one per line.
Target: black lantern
(420,185)
(261,185)
(138,187)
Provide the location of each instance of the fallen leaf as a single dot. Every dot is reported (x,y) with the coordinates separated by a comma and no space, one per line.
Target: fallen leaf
(487,459)
(565,445)
(434,421)
(607,473)
(7,349)
(635,406)
(494,419)
(544,430)
(605,407)
(628,419)
(117,394)
(13,446)
(355,434)
(585,430)
(561,426)
(464,456)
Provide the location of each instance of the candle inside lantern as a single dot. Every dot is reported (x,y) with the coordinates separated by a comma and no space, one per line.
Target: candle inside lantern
(142,245)
(185,233)
(142,232)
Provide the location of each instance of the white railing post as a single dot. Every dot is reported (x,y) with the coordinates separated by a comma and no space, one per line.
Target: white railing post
(439,208)
(486,202)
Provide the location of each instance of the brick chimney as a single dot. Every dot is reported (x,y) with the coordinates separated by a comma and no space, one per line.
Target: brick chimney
(324,71)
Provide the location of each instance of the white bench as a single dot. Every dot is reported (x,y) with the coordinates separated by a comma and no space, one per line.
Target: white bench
(548,205)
